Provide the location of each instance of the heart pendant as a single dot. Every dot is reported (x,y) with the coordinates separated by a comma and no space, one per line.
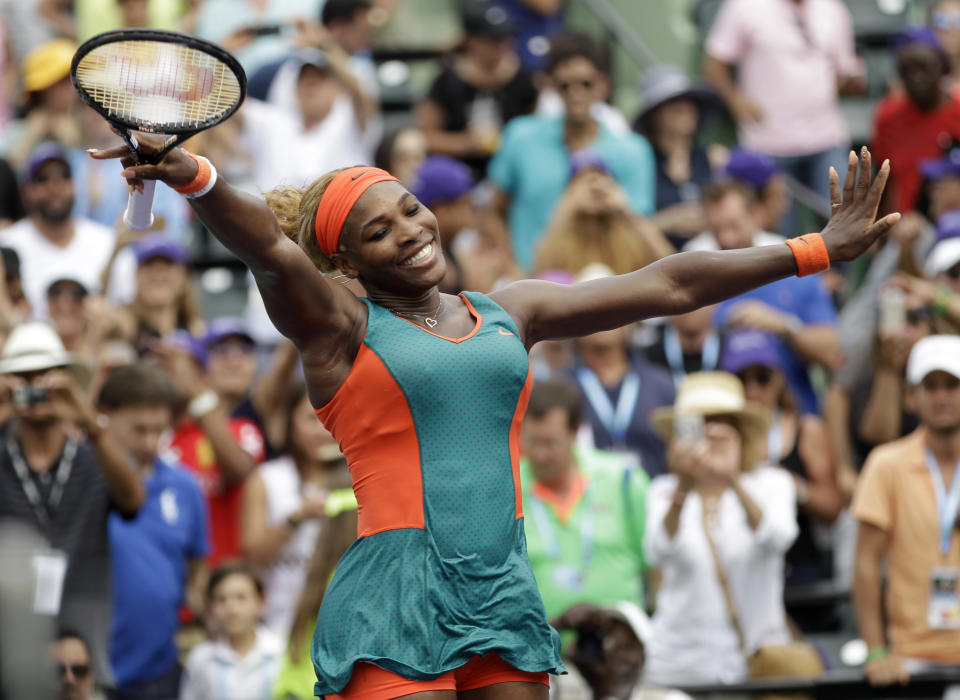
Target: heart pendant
(431,322)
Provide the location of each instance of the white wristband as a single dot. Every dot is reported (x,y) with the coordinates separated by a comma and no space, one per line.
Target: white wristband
(210,183)
(203,403)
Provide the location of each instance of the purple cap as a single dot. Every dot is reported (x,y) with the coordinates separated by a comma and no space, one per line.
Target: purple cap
(587,158)
(916,34)
(182,339)
(747,347)
(755,169)
(225,327)
(937,168)
(43,154)
(948,225)
(441,179)
(157,245)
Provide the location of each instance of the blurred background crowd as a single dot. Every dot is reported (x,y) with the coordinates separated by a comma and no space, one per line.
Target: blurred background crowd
(742,492)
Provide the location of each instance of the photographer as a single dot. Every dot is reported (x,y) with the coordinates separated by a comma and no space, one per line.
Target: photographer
(62,473)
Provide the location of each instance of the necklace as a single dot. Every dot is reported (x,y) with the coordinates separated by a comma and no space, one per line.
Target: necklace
(430,319)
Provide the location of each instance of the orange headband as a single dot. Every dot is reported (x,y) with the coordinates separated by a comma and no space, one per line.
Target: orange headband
(338,199)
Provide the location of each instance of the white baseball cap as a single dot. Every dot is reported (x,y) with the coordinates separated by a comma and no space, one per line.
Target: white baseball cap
(931,354)
(942,257)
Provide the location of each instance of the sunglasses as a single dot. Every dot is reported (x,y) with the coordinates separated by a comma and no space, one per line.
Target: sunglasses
(946,20)
(78,671)
(71,290)
(760,375)
(567,85)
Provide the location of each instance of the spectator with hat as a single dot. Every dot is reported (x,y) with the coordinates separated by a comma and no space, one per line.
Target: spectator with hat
(674,111)
(760,173)
(531,168)
(906,505)
(69,317)
(63,473)
(480,88)
(942,183)
(52,105)
(157,556)
(792,59)
(593,223)
(797,442)
(718,526)
(53,243)
(911,126)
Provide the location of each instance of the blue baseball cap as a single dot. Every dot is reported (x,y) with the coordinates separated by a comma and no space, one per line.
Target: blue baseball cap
(41,155)
(755,169)
(225,327)
(441,179)
(916,34)
(948,225)
(157,245)
(587,159)
(747,347)
(937,168)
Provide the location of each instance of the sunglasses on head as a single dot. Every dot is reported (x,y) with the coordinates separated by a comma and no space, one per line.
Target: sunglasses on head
(567,85)
(758,375)
(78,671)
(945,20)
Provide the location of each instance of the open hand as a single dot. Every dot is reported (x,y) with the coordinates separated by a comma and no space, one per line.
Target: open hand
(852,229)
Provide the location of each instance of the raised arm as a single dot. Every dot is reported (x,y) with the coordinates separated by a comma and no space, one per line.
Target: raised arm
(305,306)
(686,281)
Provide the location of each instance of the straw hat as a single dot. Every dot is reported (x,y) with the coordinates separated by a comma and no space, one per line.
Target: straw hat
(34,347)
(719,394)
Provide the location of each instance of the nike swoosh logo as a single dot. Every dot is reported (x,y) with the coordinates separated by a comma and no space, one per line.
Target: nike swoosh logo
(503,332)
(356,177)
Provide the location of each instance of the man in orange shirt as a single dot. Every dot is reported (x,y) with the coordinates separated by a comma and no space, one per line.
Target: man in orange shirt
(907,505)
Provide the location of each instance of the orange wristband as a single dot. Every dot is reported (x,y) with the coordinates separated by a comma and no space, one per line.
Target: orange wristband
(201,179)
(810,252)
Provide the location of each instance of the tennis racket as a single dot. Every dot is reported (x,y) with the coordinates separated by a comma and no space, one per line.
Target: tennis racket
(156,82)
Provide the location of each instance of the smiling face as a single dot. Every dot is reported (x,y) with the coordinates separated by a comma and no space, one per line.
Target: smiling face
(391,242)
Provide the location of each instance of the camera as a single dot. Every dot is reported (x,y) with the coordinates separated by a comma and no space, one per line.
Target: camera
(27,396)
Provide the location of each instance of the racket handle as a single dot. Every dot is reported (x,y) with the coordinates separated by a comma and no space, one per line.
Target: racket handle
(139,213)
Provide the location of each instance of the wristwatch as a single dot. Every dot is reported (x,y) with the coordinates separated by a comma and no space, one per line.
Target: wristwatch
(204,402)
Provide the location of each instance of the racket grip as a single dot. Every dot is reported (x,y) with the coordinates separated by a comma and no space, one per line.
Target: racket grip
(139,213)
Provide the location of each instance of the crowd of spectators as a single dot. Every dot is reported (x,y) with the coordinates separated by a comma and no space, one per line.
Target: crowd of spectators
(178,509)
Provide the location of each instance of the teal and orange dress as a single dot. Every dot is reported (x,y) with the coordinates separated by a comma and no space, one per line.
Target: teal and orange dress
(439,573)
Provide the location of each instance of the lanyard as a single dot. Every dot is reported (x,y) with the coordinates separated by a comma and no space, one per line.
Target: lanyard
(947,503)
(709,354)
(615,420)
(550,536)
(42,510)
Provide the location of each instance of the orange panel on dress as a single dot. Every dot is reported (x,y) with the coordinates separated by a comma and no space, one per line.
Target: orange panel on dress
(370,418)
(515,438)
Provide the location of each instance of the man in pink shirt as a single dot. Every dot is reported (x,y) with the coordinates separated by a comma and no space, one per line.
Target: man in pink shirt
(792,58)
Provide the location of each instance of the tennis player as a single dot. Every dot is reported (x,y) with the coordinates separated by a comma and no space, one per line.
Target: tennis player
(425,393)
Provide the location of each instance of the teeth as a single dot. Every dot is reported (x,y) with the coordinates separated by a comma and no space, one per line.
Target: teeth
(421,256)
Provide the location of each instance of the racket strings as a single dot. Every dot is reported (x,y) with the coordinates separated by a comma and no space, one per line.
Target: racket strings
(160,86)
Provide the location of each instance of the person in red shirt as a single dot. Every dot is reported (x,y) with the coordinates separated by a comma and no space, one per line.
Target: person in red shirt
(920,122)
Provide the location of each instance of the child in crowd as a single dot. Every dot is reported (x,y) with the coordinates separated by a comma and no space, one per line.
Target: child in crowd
(243,659)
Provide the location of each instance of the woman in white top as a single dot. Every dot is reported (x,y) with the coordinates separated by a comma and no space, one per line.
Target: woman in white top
(284,508)
(718,487)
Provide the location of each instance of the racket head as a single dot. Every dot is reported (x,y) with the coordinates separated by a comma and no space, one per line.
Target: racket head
(158,81)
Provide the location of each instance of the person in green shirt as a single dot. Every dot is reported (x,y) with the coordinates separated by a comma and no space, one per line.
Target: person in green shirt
(583,508)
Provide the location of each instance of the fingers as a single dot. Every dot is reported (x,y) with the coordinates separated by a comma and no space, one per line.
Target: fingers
(882,226)
(836,199)
(876,189)
(849,182)
(866,170)
(107,153)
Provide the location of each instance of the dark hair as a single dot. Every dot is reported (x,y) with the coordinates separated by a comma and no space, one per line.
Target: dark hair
(342,10)
(229,568)
(576,45)
(554,393)
(11,263)
(70,633)
(137,385)
(718,190)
